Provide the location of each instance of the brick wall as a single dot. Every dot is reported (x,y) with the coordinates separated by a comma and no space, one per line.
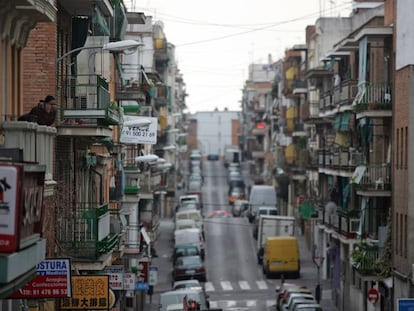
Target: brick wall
(39,69)
(400,173)
(235,130)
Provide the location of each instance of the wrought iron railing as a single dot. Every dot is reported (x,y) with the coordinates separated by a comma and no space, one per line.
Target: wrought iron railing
(84,230)
(365,258)
(376,177)
(374,97)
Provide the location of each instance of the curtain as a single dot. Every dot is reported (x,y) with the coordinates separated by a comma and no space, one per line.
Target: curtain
(80,27)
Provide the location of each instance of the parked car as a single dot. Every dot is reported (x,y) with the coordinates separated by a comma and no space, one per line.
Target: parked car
(176,297)
(186,284)
(239,208)
(185,250)
(308,307)
(189,267)
(213,157)
(304,297)
(288,291)
(187,206)
(190,237)
(300,301)
(185,224)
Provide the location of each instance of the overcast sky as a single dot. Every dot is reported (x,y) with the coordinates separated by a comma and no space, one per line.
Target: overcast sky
(216,40)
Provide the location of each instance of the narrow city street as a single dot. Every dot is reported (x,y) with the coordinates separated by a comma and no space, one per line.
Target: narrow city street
(234,279)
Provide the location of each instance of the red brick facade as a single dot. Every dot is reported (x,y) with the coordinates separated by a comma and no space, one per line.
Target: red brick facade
(39,68)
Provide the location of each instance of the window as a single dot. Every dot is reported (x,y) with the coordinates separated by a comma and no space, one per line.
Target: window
(397,245)
(405,236)
(406,148)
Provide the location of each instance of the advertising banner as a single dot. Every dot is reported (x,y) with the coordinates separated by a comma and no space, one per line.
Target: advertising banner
(52,281)
(129,281)
(9,202)
(137,134)
(116,276)
(89,292)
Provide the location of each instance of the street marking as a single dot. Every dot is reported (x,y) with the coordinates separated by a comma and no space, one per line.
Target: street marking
(208,287)
(244,285)
(261,284)
(213,304)
(270,303)
(250,303)
(226,285)
(231,303)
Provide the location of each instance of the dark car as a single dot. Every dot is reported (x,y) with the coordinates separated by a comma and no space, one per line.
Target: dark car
(189,267)
(213,157)
(185,250)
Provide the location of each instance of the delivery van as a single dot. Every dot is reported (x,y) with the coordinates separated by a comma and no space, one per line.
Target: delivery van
(281,256)
(261,195)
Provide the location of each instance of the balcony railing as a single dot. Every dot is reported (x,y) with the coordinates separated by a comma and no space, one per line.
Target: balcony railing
(374,97)
(88,99)
(376,177)
(345,93)
(341,159)
(84,231)
(348,223)
(365,258)
(35,140)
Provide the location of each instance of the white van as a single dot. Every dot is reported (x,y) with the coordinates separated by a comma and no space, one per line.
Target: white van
(261,195)
(176,297)
(190,237)
(185,224)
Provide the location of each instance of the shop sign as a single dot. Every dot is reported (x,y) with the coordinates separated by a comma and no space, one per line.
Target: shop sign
(129,281)
(138,134)
(21,205)
(89,292)
(52,281)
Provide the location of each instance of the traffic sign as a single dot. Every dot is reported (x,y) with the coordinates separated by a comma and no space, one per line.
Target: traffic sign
(141,286)
(373,295)
(405,304)
(153,275)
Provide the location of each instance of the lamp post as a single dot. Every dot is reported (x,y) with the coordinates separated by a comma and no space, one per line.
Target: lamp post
(118,46)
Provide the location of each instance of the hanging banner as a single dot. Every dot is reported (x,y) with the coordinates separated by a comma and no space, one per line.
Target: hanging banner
(52,281)
(133,131)
(89,292)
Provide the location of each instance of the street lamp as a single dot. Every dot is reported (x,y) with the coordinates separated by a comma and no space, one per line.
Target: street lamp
(118,46)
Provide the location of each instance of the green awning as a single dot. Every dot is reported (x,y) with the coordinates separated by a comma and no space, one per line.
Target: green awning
(119,69)
(337,123)
(306,210)
(100,26)
(345,121)
(118,22)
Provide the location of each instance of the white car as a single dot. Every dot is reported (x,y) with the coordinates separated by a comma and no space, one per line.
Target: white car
(186,284)
(297,296)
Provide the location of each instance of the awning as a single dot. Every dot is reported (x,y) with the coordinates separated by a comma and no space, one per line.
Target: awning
(306,210)
(337,123)
(119,68)
(358,173)
(119,22)
(388,282)
(99,21)
(342,139)
(345,121)
(363,215)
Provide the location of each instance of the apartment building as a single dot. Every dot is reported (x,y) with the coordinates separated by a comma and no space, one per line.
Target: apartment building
(102,198)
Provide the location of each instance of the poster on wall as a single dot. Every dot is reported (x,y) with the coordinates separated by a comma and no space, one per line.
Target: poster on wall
(135,130)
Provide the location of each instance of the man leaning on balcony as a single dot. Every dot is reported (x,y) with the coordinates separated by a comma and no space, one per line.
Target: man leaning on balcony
(44,113)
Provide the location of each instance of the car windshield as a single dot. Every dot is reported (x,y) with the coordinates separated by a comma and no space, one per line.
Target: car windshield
(189,261)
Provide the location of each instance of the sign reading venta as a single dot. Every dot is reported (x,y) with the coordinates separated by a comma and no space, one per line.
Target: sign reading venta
(134,130)
(52,281)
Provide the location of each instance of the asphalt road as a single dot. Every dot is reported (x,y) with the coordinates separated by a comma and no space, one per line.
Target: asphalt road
(234,279)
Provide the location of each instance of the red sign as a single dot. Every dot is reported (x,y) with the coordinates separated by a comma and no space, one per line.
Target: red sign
(21,205)
(373,295)
(52,281)
(143,271)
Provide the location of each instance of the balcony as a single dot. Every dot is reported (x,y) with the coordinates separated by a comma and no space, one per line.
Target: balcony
(348,223)
(374,101)
(86,7)
(345,93)
(365,258)
(299,87)
(299,130)
(162,96)
(161,51)
(84,231)
(89,102)
(37,143)
(375,177)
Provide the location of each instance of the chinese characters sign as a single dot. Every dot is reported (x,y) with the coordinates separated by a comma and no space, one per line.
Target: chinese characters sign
(138,134)
(88,292)
(52,281)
